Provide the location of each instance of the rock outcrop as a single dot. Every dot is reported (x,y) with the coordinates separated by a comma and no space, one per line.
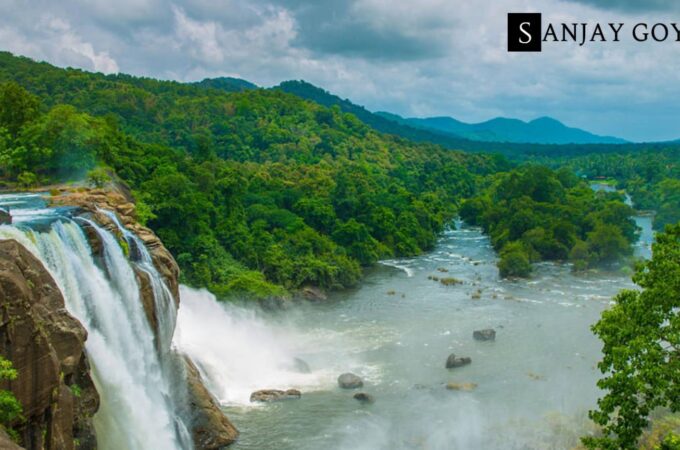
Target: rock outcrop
(211,428)
(454,386)
(46,346)
(95,200)
(363,397)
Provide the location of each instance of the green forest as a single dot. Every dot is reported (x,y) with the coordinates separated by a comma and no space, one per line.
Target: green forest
(533,214)
(652,178)
(255,192)
(260,192)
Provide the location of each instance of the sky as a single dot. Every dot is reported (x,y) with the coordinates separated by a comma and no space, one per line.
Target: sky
(414,58)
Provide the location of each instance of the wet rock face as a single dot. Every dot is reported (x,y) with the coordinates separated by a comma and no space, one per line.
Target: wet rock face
(210,428)
(46,346)
(92,200)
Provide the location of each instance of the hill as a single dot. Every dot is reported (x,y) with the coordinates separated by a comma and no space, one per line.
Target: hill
(256,192)
(228,84)
(544,130)
(313,93)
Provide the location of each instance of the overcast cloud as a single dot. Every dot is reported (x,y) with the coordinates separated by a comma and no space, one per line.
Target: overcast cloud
(415,58)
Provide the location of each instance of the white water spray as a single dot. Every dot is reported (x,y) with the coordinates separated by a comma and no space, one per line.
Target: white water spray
(238,352)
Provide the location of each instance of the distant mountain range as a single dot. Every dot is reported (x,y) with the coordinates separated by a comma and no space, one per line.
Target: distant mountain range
(544,130)
(450,132)
(511,137)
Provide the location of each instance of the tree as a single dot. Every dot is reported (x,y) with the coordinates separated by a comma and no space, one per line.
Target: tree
(17,107)
(10,408)
(606,243)
(514,261)
(641,337)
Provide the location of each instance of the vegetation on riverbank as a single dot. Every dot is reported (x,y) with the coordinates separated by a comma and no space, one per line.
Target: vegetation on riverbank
(261,192)
(256,192)
(533,214)
(652,178)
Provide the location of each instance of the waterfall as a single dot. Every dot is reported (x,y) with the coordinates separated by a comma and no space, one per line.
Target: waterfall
(139,400)
(239,352)
(164,303)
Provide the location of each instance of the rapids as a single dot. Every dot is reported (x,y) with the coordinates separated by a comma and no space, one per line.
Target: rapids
(536,382)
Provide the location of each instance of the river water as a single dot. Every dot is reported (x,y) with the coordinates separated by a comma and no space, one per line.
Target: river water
(535,382)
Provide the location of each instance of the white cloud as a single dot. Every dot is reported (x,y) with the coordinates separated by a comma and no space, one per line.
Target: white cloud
(427,57)
(198,38)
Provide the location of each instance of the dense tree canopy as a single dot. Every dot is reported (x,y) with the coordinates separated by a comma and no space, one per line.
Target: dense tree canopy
(651,177)
(532,214)
(256,191)
(641,337)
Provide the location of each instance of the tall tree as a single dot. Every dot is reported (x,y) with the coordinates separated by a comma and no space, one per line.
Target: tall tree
(641,336)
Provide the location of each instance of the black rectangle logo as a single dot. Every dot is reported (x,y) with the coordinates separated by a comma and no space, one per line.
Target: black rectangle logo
(524,32)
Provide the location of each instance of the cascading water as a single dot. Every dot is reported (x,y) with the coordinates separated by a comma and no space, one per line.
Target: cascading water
(139,403)
(164,304)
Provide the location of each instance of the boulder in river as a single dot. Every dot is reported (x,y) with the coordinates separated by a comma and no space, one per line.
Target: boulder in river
(488,334)
(453,361)
(274,395)
(350,381)
(364,397)
(453,386)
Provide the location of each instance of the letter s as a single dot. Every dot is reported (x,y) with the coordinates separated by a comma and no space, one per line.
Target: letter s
(525,32)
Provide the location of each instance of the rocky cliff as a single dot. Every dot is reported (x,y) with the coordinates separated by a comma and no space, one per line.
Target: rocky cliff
(46,344)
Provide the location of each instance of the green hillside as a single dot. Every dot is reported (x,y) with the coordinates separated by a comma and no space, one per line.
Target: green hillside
(257,191)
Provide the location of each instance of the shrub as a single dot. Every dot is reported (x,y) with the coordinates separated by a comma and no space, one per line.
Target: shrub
(514,261)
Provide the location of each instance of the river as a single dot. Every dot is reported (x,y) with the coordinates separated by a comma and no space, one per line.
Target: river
(535,382)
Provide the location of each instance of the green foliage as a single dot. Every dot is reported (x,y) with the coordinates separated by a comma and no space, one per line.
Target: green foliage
(650,176)
(514,261)
(98,177)
(17,107)
(532,214)
(641,337)
(670,442)
(10,408)
(254,191)
(27,179)
(75,390)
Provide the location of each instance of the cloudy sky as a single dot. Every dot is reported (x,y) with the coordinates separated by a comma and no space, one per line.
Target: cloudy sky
(414,58)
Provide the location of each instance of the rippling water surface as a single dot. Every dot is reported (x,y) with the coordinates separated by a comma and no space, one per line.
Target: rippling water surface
(535,383)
